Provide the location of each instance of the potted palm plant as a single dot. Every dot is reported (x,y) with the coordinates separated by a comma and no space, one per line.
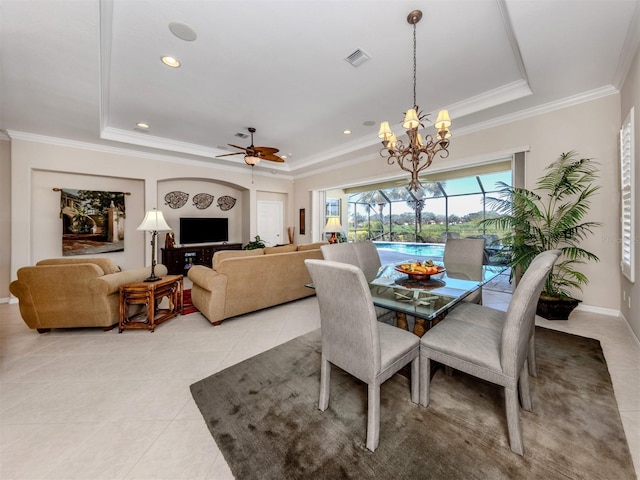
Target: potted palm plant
(551,217)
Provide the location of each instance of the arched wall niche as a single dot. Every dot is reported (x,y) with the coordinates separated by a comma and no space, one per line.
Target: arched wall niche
(201,197)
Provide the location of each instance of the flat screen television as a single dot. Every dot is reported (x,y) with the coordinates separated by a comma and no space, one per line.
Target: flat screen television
(203,230)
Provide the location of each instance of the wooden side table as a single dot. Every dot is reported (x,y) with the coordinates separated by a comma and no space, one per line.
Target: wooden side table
(150,294)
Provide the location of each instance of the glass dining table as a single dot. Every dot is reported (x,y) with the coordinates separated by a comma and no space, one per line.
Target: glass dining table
(426,299)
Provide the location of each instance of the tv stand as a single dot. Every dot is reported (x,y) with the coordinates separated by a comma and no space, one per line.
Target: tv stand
(179,260)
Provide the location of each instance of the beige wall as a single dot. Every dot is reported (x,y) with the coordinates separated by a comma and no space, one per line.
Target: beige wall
(590,128)
(630,292)
(5,218)
(38,167)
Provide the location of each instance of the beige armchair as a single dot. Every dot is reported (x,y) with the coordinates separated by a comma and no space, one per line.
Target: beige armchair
(73,292)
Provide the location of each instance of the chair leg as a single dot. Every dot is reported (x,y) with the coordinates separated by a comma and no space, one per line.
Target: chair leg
(325,383)
(415,380)
(373,416)
(525,389)
(512,407)
(425,379)
(531,356)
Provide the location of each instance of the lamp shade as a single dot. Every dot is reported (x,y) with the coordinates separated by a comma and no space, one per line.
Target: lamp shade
(333,225)
(411,119)
(443,120)
(154,222)
(385,132)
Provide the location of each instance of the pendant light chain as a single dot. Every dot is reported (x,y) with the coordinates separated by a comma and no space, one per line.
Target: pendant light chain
(414,64)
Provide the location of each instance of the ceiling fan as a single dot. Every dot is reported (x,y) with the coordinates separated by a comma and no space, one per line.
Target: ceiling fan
(253,155)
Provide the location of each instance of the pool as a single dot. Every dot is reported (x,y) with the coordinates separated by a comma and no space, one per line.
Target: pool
(391,252)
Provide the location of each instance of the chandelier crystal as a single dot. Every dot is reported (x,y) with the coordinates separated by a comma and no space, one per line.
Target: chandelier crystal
(420,151)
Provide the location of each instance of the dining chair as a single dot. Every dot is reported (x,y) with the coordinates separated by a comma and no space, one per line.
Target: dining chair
(363,255)
(464,258)
(495,355)
(353,339)
(494,319)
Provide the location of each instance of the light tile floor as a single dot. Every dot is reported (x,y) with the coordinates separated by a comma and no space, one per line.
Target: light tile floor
(87,404)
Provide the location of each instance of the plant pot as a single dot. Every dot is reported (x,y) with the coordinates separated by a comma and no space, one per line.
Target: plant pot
(556,308)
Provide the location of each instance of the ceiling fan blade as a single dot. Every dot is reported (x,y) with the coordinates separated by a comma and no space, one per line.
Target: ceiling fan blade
(238,146)
(271,157)
(228,154)
(266,150)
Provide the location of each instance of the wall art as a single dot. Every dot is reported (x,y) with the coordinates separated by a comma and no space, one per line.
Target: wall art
(226,202)
(202,200)
(92,221)
(176,199)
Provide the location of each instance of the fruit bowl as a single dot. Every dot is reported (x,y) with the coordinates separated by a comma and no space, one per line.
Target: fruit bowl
(419,270)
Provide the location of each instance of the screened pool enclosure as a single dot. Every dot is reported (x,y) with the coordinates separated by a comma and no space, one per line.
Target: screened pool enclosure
(448,208)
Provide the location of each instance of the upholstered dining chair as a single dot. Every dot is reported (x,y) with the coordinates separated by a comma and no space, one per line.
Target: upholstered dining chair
(495,355)
(464,258)
(353,339)
(363,255)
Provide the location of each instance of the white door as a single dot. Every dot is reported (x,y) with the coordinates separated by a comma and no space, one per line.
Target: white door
(270,226)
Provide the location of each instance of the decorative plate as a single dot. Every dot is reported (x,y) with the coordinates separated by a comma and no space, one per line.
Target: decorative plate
(226,202)
(202,200)
(418,270)
(176,199)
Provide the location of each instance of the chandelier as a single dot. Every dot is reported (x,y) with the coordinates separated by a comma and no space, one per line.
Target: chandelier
(419,153)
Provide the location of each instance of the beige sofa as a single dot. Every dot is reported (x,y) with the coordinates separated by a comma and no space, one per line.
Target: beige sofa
(243,281)
(73,292)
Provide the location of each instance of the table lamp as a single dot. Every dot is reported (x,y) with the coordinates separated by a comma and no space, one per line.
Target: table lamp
(153,222)
(333,226)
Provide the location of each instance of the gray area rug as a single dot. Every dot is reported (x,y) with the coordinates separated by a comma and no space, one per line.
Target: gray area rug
(263,415)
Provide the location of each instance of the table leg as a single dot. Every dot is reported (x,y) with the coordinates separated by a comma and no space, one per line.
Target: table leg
(419,328)
(151,311)
(401,320)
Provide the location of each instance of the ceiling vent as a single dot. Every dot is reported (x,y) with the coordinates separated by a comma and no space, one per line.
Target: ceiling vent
(242,135)
(358,57)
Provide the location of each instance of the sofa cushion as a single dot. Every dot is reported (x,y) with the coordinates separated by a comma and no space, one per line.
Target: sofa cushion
(310,246)
(292,247)
(223,254)
(107,265)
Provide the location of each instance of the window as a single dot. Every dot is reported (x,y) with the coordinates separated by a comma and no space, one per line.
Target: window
(627,192)
(332,207)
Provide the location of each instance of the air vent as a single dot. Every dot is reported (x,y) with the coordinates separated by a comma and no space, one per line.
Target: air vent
(358,57)
(242,135)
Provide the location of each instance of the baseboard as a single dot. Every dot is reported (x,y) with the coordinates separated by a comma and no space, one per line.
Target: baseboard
(628,325)
(611,312)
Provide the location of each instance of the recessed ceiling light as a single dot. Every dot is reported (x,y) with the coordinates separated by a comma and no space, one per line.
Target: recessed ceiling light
(142,125)
(347,132)
(170,62)
(183,31)
(369,123)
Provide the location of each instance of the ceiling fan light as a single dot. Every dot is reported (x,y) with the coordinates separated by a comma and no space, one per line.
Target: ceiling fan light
(443,120)
(411,119)
(251,160)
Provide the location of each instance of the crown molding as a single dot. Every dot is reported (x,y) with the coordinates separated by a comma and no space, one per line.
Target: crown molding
(539,110)
(492,98)
(62,142)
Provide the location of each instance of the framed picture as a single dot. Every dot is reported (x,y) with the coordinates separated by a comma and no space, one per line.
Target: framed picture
(332,208)
(302,221)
